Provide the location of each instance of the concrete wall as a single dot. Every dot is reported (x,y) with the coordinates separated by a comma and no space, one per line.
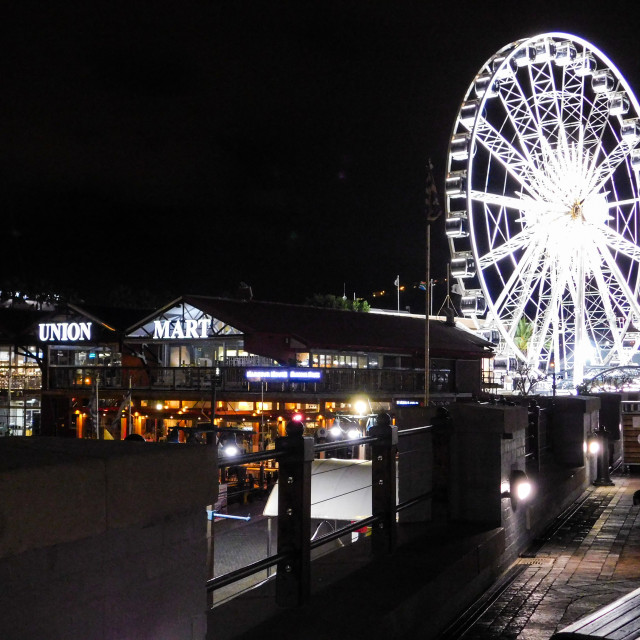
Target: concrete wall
(573,418)
(487,444)
(103,540)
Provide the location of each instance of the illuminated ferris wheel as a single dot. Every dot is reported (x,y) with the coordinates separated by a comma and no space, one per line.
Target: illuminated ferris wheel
(542,204)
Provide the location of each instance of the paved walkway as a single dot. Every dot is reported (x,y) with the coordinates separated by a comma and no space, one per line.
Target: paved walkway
(590,561)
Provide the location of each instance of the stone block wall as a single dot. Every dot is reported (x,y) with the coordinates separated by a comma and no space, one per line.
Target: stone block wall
(103,540)
(487,443)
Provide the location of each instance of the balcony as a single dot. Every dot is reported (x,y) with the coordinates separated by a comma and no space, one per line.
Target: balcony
(233,379)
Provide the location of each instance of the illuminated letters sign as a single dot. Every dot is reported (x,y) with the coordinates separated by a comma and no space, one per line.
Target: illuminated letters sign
(407,402)
(172,330)
(64,331)
(283,374)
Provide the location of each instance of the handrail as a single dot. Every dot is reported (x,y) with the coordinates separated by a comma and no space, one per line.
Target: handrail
(270,454)
(414,430)
(248,458)
(265,563)
(382,515)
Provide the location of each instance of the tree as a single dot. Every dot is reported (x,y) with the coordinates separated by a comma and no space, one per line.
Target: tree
(329,301)
(526,378)
(523,334)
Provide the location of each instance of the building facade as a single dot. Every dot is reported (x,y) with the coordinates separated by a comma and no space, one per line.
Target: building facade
(107,373)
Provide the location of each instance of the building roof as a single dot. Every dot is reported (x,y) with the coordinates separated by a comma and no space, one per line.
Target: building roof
(317,327)
(18,325)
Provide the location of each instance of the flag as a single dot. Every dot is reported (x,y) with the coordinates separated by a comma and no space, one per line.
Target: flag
(93,409)
(124,405)
(423,285)
(396,282)
(434,210)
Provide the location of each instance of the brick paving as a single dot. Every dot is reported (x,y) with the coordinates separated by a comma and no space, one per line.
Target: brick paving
(593,559)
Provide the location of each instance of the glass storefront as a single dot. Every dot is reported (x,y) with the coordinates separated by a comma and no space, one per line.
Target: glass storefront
(20,383)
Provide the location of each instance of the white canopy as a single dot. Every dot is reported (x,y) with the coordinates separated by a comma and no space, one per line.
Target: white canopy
(340,490)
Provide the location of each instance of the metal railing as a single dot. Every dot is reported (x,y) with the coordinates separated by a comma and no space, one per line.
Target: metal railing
(295,454)
(230,378)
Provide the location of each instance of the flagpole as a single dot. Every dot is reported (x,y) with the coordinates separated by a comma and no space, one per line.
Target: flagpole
(129,426)
(433,213)
(398,288)
(97,409)
(426,317)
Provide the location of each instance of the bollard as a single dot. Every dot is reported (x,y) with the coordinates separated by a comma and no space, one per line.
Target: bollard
(383,485)
(603,478)
(293,580)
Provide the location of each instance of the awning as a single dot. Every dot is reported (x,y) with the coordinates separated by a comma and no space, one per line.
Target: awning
(340,490)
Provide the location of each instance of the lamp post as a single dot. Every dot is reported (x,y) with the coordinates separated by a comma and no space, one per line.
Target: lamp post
(552,366)
(603,479)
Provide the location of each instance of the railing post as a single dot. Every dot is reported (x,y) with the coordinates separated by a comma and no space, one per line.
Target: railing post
(294,516)
(383,485)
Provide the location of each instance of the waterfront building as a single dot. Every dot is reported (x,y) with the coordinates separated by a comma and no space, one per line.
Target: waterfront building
(107,372)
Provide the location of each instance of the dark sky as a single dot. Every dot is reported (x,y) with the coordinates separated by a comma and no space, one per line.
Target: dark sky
(188,146)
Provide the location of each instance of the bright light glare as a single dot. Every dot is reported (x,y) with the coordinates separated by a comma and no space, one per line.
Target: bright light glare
(231,450)
(335,431)
(361,407)
(523,490)
(352,434)
(594,447)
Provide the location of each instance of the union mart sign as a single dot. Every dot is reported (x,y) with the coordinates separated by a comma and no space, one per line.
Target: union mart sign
(64,331)
(176,330)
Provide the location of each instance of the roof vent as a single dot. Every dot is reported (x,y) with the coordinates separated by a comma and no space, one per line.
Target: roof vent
(244,291)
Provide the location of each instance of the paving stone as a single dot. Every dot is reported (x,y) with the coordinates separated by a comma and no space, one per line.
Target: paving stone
(596,559)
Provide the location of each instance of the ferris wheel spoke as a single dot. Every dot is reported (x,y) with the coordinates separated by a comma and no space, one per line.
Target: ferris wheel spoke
(545,101)
(622,203)
(601,173)
(550,314)
(618,278)
(517,290)
(620,244)
(596,123)
(605,298)
(513,244)
(513,162)
(523,119)
(517,203)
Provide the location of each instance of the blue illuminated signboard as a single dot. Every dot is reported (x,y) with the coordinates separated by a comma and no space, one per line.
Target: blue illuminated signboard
(283,374)
(407,403)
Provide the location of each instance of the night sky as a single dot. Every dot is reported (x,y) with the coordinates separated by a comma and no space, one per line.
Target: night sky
(188,146)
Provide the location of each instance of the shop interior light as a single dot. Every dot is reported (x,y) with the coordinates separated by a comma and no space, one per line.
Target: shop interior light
(353,433)
(159,406)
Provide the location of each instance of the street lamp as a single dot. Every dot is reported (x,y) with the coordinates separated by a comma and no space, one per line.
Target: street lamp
(603,478)
(552,366)
(518,489)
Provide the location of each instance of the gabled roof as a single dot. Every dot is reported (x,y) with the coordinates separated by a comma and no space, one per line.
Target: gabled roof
(115,318)
(333,329)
